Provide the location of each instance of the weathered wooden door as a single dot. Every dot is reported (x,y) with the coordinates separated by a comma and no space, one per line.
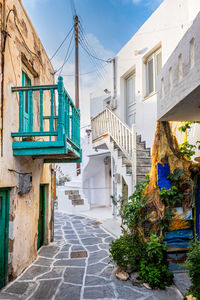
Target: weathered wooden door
(4,221)
(26,105)
(41,219)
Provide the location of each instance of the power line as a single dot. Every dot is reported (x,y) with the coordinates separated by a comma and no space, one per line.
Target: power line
(89,53)
(94,62)
(82,74)
(61,43)
(67,56)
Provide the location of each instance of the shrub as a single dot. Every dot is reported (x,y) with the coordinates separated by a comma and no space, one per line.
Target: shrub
(193,265)
(153,266)
(133,213)
(127,251)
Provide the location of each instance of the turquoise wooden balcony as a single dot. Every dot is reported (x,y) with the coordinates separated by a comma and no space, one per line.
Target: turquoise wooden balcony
(55,137)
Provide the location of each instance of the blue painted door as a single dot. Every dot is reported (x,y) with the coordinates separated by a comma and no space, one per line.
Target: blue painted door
(26,105)
(4,217)
(197,208)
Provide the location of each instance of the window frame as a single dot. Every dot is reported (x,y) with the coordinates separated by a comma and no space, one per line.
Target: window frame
(153,57)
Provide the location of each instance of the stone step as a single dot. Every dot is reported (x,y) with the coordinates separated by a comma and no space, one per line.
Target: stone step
(72,192)
(143,170)
(74,197)
(140,178)
(143,153)
(141,146)
(143,161)
(126,161)
(78,202)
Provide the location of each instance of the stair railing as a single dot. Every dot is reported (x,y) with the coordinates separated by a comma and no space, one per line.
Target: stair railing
(106,124)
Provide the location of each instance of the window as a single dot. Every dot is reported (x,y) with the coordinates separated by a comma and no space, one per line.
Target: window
(130,100)
(26,81)
(153,67)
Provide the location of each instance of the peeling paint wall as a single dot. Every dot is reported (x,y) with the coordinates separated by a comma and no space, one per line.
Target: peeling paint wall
(23,52)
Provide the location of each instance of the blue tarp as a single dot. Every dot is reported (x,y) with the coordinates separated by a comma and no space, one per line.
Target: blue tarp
(163,172)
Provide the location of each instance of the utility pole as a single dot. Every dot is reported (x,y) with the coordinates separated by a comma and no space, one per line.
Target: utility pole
(76,30)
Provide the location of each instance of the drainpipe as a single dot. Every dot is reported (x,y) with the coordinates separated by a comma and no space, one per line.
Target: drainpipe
(3,46)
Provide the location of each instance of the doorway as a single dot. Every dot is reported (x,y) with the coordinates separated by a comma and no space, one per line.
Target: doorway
(4,228)
(41,219)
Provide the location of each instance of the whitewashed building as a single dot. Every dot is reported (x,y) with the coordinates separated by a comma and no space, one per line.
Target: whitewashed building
(126,127)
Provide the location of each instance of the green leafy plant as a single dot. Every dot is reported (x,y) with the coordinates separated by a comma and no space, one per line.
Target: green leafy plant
(187,150)
(133,212)
(153,266)
(127,251)
(193,265)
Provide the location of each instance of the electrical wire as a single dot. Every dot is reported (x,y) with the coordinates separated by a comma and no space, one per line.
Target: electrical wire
(61,43)
(67,56)
(82,74)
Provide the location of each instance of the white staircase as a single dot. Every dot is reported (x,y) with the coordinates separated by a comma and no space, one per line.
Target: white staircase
(132,158)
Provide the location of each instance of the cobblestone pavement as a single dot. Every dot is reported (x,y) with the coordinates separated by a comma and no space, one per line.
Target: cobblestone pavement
(55,275)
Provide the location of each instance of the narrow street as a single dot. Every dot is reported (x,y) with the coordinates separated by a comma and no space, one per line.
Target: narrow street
(62,270)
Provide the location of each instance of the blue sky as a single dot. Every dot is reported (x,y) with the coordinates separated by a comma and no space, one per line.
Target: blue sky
(108,25)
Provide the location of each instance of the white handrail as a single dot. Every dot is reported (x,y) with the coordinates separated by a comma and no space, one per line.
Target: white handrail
(107,123)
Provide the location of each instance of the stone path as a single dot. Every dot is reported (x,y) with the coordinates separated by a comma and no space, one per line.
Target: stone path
(57,276)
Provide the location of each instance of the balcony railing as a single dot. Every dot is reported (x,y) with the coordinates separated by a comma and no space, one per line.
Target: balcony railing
(54,136)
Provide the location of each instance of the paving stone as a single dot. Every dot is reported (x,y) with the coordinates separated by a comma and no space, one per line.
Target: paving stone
(74,275)
(96,269)
(66,247)
(74,242)
(70,237)
(58,238)
(97,256)
(77,248)
(18,288)
(48,251)
(34,271)
(91,241)
(108,272)
(68,292)
(102,292)
(56,272)
(133,293)
(77,262)
(102,235)
(182,281)
(104,246)
(6,296)
(43,261)
(46,289)
(62,255)
(169,293)
(92,248)
(109,240)
(94,280)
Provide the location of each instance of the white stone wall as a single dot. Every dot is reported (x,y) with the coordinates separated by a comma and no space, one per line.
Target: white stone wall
(165,27)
